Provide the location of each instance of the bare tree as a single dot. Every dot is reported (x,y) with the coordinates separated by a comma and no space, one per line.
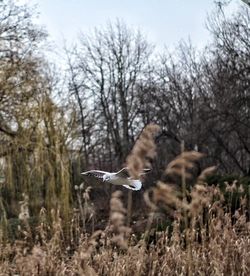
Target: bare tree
(19,65)
(110,64)
(227,78)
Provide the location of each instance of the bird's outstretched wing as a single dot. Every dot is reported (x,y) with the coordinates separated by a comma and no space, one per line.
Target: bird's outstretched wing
(146,170)
(124,173)
(93,176)
(94,173)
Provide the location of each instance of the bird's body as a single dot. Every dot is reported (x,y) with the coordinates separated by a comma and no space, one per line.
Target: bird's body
(121,178)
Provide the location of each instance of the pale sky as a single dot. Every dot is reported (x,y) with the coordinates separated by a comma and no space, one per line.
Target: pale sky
(164,22)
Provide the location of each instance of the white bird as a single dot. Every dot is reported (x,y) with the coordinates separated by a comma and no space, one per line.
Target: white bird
(121,177)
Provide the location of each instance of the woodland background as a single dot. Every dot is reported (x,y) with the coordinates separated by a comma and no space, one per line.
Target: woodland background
(57,122)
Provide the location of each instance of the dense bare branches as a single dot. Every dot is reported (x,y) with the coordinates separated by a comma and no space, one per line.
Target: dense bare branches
(19,65)
(109,66)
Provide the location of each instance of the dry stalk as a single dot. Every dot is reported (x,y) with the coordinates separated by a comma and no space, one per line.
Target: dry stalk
(143,150)
(117,228)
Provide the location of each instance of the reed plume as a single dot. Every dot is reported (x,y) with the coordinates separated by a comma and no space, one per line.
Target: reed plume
(143,150)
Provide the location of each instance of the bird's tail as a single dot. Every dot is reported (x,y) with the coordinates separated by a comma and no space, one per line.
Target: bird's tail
(134,185)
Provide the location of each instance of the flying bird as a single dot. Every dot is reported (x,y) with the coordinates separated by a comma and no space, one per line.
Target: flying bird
(121,178)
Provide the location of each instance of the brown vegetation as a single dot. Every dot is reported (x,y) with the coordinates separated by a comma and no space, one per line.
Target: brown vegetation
(204,237)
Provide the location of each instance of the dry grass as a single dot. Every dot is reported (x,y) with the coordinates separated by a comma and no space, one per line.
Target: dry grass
(204,237)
